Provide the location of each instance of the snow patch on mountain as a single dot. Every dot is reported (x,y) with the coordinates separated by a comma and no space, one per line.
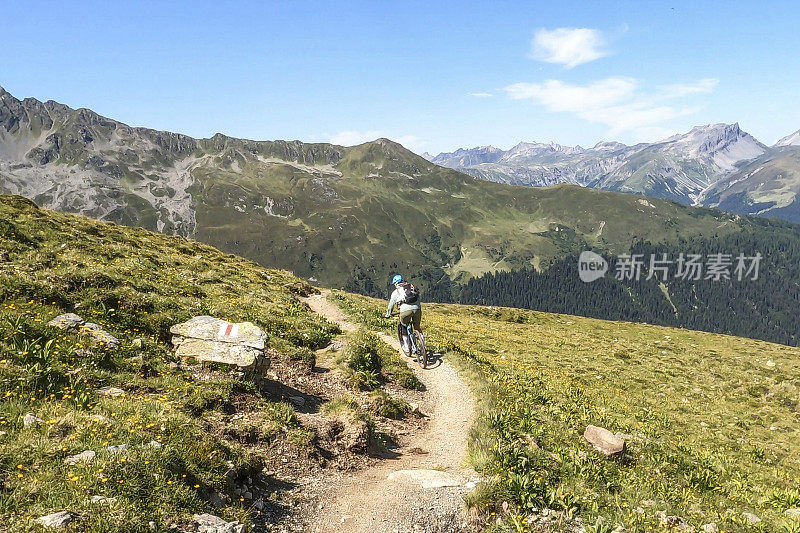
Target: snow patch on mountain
(793,139)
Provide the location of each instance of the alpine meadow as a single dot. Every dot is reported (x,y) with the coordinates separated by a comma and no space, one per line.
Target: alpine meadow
(399,267)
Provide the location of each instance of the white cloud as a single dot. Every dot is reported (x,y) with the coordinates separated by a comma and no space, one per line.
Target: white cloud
(354,137)
(617,102)
(480,95)
(556,95)
(706,85)
(568,46)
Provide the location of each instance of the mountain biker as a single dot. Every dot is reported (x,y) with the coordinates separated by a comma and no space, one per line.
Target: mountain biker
(409,299)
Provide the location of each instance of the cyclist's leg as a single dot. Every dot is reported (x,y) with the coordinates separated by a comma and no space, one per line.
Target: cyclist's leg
(405,320)
(416,319)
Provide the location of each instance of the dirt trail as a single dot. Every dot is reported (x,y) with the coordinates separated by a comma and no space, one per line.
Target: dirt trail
(421,488)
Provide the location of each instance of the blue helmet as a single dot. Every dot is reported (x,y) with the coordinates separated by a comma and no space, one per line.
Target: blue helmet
(397,279)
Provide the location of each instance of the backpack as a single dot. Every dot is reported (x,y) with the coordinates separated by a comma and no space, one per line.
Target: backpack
(411,293)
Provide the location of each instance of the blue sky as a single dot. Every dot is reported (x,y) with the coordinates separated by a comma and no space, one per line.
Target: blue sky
(432,75)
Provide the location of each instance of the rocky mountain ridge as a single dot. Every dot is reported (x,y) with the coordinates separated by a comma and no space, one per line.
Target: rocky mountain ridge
(693,168)
(342,215)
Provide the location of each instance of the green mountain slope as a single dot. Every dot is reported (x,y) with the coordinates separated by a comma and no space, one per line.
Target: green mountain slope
(343,216)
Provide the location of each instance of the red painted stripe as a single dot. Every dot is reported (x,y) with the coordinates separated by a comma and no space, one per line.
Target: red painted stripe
(228,329)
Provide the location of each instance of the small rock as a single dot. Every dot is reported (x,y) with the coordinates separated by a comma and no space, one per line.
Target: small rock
(100,418)
(208,523)
(770,364)
(67,321)
(152,525)
(117,449)
(337,346)
(103,499)
(56,520)
(674,521)
(604,441)
(217,500)
(83,457)
(136,343)
(154,444)
(31,419)
(710,527)
(794,512)
(248,495)
(99,335)
(470,484)
(299,401)
(110,391)
(751,518)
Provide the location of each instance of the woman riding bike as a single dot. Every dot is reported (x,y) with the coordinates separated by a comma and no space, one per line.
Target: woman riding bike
(410,301)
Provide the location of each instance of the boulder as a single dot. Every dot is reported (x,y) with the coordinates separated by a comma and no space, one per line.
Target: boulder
(751,518)
(67,321)
(83,457)
(604,441)
(209,523)
(56,520)
(110,391)
(73,322)
(99,335)
(213,340)
(119,448)
(31,419)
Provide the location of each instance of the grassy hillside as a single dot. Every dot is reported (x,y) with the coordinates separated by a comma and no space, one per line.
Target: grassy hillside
(711,421)
(195,435)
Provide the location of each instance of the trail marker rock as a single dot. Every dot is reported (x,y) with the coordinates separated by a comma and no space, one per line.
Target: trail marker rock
(604,441)
(213,340)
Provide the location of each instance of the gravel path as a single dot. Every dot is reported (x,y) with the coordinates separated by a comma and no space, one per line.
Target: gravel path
(422,488)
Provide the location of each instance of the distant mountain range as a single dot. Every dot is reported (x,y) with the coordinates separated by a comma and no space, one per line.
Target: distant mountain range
(715,165)
(345,216)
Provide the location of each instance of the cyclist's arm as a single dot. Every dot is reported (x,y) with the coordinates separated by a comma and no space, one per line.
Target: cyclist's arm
(392,303)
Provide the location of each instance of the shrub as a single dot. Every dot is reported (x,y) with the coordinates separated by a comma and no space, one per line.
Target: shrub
(363,353)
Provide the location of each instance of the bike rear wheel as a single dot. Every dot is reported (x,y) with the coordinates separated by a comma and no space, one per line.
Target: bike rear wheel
(422,354)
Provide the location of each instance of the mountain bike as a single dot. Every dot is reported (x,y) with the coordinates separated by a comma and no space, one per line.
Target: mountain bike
(417,341)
